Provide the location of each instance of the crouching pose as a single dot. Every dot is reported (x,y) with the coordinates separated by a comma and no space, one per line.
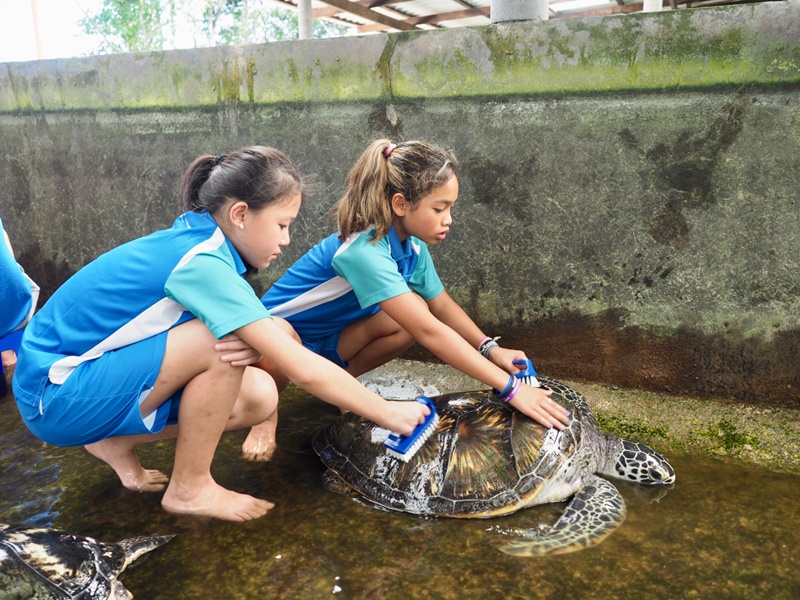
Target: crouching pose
(155,339)
(364,294)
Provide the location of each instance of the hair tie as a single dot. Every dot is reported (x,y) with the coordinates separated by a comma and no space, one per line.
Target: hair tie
(389,149)
(219,158)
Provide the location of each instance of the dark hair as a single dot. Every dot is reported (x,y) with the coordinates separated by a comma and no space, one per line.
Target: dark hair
(413,169)
(257,175)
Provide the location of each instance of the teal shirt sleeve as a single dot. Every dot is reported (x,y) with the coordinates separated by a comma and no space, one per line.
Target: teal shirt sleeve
(425,280)
(209,287)
(374,276)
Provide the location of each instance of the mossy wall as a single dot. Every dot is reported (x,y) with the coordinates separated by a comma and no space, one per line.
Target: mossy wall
(630,185)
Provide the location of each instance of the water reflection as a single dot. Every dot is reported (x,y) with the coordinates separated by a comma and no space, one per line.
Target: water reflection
(29,472)
(723,530)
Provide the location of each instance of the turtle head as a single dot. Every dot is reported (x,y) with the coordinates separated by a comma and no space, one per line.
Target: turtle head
(641,464)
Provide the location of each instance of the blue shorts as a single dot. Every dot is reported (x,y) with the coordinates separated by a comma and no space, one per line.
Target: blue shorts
(327,347)
(100,399)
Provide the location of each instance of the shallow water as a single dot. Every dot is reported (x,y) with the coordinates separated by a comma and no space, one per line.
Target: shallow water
(724,530)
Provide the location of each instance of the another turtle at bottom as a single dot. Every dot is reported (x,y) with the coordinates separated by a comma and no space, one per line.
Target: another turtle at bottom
(38,563)
(486,459)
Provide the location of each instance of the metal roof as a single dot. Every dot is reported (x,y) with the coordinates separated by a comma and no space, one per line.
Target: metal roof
(370,16)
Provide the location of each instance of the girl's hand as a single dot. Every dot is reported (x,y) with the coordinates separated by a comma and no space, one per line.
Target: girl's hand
(537,404)
(505,357)
(236,351)
(403,417)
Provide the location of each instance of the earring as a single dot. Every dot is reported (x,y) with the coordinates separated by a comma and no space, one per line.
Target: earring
(241,225)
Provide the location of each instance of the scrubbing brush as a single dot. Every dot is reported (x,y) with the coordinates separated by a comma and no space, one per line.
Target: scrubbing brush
(405,447)
(528,375)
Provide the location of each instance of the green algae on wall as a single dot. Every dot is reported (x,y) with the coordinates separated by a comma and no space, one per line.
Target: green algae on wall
(698,48)
(656,51)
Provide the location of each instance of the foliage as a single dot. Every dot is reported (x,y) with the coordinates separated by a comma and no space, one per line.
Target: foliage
(125,26)
(143,25)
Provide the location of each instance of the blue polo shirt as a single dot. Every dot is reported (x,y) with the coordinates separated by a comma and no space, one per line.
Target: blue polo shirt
(339,282)
(135,291)
(16,296)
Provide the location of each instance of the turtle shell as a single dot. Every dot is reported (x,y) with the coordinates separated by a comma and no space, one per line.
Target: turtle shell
(46,563)
(485,458)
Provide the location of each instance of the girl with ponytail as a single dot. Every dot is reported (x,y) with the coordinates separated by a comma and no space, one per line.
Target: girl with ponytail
(363,295)
(157,338)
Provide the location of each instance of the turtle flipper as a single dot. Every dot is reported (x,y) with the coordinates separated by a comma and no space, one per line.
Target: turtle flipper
(136,546)
(594,512)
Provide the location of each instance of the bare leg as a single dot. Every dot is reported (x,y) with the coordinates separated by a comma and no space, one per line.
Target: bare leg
(373,342)
(260,443)
(203,415)
(257,399)
(379,351)
(216,396)
(120,454)
(9,358)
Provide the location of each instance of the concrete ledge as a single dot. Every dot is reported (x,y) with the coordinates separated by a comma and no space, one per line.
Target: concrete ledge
(674,50)
(769,437)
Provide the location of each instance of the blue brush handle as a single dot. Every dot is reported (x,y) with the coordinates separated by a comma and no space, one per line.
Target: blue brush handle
(404,447)
(528,374)
(528,370)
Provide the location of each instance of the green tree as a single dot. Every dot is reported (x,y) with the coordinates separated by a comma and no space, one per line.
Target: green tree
(142,25)
(227,22)
(131,25)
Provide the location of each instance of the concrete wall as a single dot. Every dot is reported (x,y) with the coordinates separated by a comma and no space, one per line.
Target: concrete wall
(630,185)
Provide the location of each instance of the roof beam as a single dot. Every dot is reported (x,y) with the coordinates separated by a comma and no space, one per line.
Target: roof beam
(371,15)
(451,16)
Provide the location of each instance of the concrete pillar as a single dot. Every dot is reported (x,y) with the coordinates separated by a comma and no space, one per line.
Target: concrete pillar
(503,11)
(305,20)
(652,5)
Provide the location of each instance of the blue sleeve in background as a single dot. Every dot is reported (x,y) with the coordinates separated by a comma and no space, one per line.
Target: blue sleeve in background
(18,294)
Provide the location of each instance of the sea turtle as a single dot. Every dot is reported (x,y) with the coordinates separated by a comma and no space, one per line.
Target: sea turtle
(39,563)
(487,459)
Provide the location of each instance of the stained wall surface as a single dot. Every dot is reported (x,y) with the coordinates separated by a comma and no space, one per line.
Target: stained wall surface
(630,185)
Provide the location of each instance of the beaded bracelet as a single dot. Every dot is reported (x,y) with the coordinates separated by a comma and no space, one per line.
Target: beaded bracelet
(482,342)
(487,344)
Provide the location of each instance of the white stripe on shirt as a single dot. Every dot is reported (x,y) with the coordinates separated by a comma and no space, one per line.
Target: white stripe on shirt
(155,319)
(323,293)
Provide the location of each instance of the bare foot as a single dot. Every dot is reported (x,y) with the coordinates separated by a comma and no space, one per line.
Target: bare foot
(260,443)
(9,358)
(213,500)
(121,456)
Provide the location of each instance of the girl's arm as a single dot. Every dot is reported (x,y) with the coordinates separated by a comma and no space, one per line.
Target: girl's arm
(444,308)
(323,379)
(454,346)
(449,312)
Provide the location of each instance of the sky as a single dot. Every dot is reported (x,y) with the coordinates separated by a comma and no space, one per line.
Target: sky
(62,37)
(60,34)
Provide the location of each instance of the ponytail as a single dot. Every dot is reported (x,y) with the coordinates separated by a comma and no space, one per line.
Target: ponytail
(258,176)
(194,178)
(413,169)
